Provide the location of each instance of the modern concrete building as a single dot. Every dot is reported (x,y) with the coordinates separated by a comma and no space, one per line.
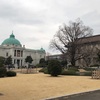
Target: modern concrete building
(12,47)
(89,46)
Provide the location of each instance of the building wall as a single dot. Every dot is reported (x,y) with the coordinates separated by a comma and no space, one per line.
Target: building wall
(92,50)
(17,58)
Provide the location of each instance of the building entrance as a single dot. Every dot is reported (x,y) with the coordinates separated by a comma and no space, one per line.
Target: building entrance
(18,62)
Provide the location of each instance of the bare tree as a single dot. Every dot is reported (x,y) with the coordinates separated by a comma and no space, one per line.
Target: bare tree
(89,52)
(68,40)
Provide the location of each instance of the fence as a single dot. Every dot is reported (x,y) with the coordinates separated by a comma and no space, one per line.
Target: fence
(96,74)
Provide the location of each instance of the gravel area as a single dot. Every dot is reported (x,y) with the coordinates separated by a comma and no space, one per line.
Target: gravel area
(40,86)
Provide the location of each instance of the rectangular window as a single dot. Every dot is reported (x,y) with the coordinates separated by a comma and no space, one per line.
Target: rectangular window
(7,54)
(21,62)
(15,53)
(18,53)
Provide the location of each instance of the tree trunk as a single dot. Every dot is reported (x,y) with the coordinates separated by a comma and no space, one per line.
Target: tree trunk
(73,63)
(73,51)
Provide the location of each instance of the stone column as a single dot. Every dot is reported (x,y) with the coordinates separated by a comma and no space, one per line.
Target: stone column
(16,66)
(19,53)
(16,53)
(12,61)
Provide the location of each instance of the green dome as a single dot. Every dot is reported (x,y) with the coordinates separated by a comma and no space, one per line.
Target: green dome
(42,50)
(11,41)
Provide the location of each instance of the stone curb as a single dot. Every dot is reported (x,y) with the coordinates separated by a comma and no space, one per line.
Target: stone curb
(69,95)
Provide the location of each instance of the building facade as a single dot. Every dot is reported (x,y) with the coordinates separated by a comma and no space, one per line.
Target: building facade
(88,47)
(59,57)
(12,47)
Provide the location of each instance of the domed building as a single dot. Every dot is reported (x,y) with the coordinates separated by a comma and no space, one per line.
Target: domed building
(11,41)
(12,47)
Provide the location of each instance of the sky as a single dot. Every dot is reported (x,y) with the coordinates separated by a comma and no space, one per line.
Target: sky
(35,22)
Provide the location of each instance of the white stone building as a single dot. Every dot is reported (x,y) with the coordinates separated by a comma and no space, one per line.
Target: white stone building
(12,47)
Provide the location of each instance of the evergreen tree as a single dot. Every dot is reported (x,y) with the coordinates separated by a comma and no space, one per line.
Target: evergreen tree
(28,59)
(42,62)
(8,61)
(2,61)
(54,67)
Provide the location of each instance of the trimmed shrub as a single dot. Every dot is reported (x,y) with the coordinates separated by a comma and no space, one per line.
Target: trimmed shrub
(89,73)
(41,70)
(38,65)
(69,72)
(73,68)
(89,69)
(11,73)
(44,70)
(54,67)
(41,65)
(64,72)
(3,71)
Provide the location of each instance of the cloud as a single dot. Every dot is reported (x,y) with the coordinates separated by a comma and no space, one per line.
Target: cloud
(92,19)
(16,12)
(34,22)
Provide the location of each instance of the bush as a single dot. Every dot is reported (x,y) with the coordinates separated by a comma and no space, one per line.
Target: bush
(41,70)
(38,65)
(44,70)
(73,68)
(11,73)
(54,67)
(64,72)
(89,73)
(89,69)
(69,72)
(3,71)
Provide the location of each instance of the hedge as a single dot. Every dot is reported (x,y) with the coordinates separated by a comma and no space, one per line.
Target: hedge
(11,74)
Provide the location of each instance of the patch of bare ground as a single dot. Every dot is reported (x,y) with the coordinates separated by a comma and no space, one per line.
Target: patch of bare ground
(40,86)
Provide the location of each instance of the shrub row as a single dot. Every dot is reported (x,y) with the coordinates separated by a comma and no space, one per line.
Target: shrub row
(73,68)
(88,73)
(11,73)
(89,69)
(44,70)
(64,72)
(69,72)
(4,72)
(54,69)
